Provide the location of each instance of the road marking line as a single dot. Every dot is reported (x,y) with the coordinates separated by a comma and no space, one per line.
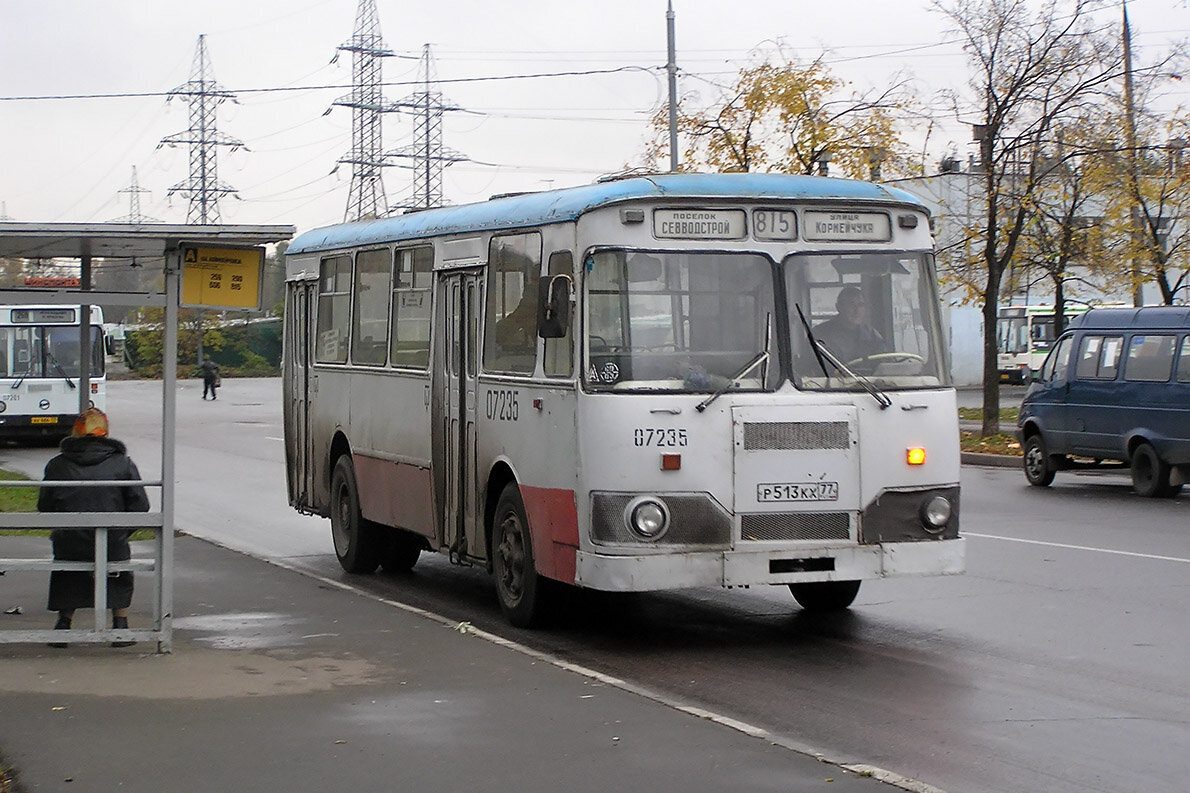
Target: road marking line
(1080,547)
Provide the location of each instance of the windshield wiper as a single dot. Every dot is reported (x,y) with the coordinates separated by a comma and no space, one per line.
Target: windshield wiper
(723,389)
(49,355)
(762,356)
(821,351)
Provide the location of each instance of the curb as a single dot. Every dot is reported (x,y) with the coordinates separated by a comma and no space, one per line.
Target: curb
(990,460)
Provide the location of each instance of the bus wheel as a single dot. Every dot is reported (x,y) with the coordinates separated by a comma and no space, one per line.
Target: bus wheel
(1150,474)
(1039,468)
(357,541)
(518,585)
(820,596)
(402,552)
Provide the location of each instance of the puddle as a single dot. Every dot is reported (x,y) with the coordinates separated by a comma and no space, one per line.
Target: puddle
(243,631)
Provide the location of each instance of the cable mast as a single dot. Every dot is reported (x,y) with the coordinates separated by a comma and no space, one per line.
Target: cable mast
(204,95)
(427,156)
(365,198)
(134,214)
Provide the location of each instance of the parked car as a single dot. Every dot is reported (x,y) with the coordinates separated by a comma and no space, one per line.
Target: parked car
(1114,391)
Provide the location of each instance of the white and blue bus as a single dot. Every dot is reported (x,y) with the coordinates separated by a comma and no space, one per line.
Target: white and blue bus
(39,364)
(629,386)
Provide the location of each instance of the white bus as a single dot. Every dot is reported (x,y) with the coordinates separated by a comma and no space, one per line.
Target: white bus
(615,386)
(1024,337)
(39,364)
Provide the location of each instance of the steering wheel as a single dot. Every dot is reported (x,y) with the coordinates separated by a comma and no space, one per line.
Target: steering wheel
(887,357)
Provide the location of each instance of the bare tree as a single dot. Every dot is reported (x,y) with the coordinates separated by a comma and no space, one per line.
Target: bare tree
(1030,70)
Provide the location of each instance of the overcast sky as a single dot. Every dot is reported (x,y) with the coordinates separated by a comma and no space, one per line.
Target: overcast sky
(67,160)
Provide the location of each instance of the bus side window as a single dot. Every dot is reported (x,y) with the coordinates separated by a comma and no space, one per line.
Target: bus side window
(510,322)
(369,323)
(410,341)
(559,360)
(334,309)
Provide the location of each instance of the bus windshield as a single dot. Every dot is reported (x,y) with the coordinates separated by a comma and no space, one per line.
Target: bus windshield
(679,321)
(46,351)
(875,313)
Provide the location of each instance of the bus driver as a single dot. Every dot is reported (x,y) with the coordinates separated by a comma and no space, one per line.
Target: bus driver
(848,335)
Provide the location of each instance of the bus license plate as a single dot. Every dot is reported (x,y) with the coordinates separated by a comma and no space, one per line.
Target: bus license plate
(43,420)
(804,491)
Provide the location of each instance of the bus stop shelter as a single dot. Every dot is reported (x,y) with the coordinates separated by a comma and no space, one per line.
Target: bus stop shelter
(167,244)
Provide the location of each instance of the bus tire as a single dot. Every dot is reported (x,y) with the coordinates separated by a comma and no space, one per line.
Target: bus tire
(823,596)
(1150,474)
(521,591)
(358,542)
(402,552)
(1039,468)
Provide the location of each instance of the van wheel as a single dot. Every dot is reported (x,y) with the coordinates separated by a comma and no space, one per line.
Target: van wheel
(522,592)
(358,542)
(824,596)
(1150,474)
(1039,468)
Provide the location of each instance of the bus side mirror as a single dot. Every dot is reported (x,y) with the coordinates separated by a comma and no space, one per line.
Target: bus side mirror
(553,306)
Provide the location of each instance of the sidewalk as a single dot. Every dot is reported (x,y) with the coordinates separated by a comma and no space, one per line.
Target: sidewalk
(282,682)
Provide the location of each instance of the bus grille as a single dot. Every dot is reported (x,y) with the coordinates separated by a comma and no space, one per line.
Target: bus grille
(795,526)
(783,435)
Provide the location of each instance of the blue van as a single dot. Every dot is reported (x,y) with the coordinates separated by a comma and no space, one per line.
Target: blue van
(1114,392)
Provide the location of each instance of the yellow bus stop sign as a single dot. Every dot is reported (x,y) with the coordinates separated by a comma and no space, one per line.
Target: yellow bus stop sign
(221,277)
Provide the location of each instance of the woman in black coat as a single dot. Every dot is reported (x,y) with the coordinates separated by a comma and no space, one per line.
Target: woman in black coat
(88,454)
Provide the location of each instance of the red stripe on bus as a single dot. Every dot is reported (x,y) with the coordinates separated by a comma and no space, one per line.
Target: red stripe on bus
(553,517)
(395,494)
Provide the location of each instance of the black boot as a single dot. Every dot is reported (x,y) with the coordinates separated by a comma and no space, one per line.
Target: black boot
(63,624)
(119,623)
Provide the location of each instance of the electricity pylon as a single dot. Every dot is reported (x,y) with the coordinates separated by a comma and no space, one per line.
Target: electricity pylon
(204,95)
(426,156)
(134,214)
(365,198)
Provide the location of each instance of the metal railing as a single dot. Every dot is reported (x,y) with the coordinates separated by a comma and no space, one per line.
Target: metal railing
(160,630)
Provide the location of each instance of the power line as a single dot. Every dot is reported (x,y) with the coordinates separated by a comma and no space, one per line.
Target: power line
(339,87)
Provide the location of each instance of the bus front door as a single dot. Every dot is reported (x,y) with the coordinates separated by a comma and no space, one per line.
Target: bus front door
(460,295)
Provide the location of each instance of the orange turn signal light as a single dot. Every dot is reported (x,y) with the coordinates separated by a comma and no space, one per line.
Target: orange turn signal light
(915,456)
(671,462)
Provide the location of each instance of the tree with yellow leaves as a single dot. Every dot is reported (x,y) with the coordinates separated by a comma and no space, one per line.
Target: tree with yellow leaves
(781,116)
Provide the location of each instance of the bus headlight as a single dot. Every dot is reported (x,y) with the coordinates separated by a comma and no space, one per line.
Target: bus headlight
(935,514)
(647,518)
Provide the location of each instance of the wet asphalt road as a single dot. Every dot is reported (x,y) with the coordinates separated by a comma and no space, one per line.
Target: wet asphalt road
(1054,664)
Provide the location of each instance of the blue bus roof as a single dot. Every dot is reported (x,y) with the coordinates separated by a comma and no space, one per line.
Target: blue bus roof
(554,206)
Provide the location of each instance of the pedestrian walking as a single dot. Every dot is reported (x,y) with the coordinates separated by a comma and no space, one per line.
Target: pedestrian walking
(210,377)
(89,454)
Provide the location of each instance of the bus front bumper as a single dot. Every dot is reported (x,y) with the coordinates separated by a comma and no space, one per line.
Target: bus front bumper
(641,573)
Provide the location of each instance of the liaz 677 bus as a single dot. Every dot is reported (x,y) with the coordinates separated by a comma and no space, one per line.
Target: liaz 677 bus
(39,364)
(652,383)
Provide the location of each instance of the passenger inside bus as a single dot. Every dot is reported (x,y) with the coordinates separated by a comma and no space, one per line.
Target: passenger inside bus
(848,335)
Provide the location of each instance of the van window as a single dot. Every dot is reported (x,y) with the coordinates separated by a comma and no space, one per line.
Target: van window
(1150,358)
(1184,362)
(1099,357)
(1056,365)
